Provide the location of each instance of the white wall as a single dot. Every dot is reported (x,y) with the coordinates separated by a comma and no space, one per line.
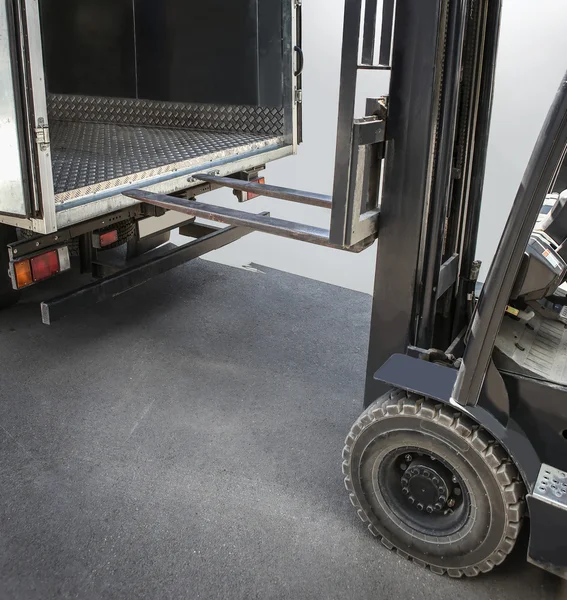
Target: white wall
(532,58)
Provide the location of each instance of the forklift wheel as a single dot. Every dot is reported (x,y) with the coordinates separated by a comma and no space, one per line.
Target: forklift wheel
(432,484)
(8,295)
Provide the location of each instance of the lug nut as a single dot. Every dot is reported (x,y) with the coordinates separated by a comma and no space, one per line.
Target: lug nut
(426,474)
(429,509)
(411,499)
(441,489)
(419,506)
(405,491)
(438,506)
(442,499)
(404,481)
(435,480)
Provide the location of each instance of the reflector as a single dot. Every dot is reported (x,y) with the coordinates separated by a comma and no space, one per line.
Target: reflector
(108,238)
(251,195)
(22,269)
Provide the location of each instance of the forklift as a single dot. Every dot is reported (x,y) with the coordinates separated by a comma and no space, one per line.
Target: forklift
(464,432)
(464,435)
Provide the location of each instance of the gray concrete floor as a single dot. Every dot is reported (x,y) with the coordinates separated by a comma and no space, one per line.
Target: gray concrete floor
(184,441)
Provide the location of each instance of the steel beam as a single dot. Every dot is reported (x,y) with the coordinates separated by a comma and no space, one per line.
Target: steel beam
(434,239)
(369,35)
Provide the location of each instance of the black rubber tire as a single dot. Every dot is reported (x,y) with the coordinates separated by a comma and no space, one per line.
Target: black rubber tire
(399,420)
(8,295)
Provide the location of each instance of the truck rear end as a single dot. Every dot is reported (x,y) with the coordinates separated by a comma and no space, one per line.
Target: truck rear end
(103,96)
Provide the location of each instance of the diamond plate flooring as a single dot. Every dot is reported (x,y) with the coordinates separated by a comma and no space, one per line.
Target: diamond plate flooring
(105,155)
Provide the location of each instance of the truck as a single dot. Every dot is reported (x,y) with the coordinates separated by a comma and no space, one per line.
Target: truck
(100,97)
(464,429)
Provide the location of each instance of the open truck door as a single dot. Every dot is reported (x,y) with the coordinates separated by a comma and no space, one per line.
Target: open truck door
(26,182)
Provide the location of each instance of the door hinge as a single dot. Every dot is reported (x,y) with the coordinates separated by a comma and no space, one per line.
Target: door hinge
(42,135)
(298,96)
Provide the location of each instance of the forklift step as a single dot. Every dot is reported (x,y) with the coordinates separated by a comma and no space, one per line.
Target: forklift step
(551,486)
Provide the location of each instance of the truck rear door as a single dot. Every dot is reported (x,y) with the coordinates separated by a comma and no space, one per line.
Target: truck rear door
(26,189)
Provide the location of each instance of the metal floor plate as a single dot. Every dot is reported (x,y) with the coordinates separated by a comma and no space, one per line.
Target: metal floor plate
(538,347)
(92,157)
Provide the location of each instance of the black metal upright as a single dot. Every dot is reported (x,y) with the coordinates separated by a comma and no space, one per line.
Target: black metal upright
(480,130)
(442,180)
(414,100)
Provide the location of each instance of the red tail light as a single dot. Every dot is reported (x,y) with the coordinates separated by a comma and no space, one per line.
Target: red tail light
(45,265)
(107,239)
(251,195)
(42,266)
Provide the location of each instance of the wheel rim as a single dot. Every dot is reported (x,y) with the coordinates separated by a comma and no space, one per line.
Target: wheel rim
(424,491)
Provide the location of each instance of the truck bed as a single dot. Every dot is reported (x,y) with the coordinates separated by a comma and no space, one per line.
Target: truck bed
(99,145)
(92,157)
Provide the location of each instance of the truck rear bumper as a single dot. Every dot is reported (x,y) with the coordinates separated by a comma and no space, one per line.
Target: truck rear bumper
(142,270)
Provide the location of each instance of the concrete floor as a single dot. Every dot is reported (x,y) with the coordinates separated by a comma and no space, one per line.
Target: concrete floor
(184,441)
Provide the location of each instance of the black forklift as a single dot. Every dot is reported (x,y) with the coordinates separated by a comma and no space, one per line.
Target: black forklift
(464,435)
(465,429)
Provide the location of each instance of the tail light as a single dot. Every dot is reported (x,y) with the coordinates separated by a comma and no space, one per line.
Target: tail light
(245,196)
(41,266)
(251,195)
(45,265)
(22,270)
(103,240)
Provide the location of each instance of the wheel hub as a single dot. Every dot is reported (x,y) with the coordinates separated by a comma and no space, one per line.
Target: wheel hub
(424,490)
(425,486)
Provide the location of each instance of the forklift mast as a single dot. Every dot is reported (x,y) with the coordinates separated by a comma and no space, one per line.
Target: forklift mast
(440,105)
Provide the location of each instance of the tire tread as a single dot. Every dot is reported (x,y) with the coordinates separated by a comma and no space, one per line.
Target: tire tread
(398,403)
